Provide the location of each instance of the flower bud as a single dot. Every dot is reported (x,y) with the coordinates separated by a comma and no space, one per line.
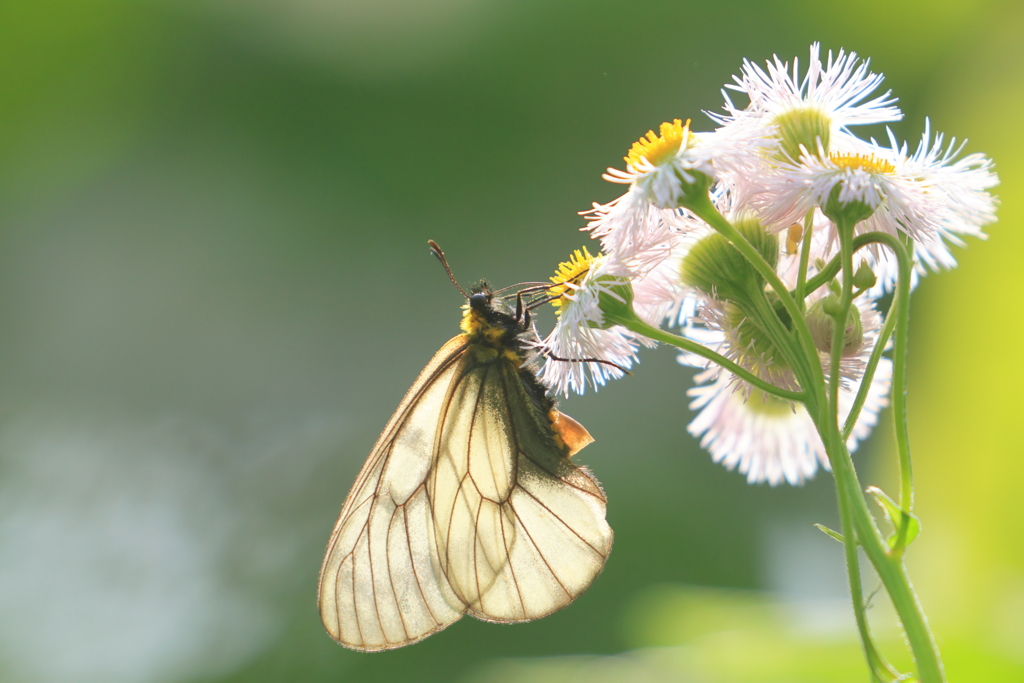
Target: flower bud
(822,322)
(845,213)
(830,305)
(745,333)
(718,269)
(864,277)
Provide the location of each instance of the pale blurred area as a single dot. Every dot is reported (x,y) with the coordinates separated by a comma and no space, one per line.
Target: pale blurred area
(215,288)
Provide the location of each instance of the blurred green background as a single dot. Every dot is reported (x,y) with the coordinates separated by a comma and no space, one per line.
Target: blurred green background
(215,288)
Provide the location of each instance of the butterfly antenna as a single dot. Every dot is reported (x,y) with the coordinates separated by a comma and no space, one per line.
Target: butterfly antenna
(531,285)
(436,251)
(587,360)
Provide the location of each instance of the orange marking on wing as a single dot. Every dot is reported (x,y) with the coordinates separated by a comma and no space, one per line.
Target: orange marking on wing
(572,434)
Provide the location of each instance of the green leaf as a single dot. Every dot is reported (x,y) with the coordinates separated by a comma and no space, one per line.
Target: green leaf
(829,532)
(899,518)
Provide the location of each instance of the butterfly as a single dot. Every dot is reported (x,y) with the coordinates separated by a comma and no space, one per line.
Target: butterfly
(468,503)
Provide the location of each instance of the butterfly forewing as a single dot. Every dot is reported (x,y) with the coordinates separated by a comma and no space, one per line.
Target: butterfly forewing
(378,584)
(467,504)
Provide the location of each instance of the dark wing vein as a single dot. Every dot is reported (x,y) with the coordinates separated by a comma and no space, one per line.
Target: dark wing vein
(511,566)
(412,562)
(562,521)
(540,553)
(391,574)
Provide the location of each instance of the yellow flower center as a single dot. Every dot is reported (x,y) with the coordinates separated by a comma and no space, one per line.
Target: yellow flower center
(569,275)
(868,164)
(657,149)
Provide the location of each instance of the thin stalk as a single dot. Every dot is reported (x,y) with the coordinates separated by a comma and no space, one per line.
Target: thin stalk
(805,257)
(881,670)
(834,386)
(859,242)
(635,324)
(869,372)
(890,568)
(839,328)
(901,304)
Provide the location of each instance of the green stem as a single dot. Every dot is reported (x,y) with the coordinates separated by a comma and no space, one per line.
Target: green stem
(881,670)
(889,566)
(859,242)
(834,387)
(901,304)
(869,373)
(805,257)
(635,324)
(806,365)
(845,230)
(899,315)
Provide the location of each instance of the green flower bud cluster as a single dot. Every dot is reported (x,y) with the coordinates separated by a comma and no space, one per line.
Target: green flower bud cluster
(715,267)
(718,269)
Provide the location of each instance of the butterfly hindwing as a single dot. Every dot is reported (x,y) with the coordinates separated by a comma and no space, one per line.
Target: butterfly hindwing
(521,530)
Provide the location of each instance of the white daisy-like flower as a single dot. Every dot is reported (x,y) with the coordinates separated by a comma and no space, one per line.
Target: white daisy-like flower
(631,224)
(663,165)
(832,95)
(583,349)
(660,169)
(794,112)
(926,195)
(659,295)
(961,186)
(769,439)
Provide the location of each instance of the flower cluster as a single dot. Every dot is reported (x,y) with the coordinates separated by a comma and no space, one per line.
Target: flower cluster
(732,238)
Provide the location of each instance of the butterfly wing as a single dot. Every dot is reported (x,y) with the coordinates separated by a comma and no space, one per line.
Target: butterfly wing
(466,504)
(521,531)
(380,585)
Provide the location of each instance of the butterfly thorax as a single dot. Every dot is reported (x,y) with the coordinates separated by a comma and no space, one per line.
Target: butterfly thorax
(492,331)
